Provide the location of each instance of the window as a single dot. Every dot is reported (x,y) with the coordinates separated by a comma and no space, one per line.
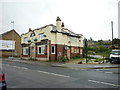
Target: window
(73,39)
(53,49)
(25,39)
(41,36)
(41,49)
(25,51)
(32,34)
(74,50)
(54,28)
(32,39)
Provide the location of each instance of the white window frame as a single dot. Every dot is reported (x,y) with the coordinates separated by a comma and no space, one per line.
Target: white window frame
(24,50)
(42,50)
(54,50)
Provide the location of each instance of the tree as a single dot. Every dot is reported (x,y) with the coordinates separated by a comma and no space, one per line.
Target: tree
(116,41)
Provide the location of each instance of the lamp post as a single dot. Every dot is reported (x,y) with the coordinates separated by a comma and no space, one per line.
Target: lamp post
(13,24)
(112,32)
(86,43)
(13,40)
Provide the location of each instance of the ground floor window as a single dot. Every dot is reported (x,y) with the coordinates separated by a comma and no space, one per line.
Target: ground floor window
(74,50)
(41,49)
(53,49)
(25,51)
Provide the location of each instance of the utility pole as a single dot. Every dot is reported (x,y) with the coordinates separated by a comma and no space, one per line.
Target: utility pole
(13,40)
(112,32)
(86,50)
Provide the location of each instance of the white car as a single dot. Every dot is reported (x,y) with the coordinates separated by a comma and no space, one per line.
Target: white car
(115,56)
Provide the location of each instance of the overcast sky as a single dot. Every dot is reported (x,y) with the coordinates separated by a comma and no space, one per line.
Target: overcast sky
(92,18)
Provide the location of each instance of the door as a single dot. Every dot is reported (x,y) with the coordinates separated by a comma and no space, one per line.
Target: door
(32,52)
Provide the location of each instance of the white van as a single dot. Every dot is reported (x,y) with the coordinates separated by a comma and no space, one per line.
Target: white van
(115,56)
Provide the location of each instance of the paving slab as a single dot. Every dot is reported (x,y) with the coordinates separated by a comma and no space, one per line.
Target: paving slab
(67,65)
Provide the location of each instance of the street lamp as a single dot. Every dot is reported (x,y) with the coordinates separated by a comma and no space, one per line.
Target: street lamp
(112,32)
(13,24)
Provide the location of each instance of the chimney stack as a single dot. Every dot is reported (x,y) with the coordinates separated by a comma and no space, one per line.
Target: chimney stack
(58,24)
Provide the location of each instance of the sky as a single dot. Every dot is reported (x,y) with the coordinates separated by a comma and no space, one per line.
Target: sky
(92,18)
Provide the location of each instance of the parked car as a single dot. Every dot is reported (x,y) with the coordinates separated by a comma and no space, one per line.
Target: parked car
(115,56)
(3,85)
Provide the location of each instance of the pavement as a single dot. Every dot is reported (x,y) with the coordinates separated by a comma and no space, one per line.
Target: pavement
(65,65)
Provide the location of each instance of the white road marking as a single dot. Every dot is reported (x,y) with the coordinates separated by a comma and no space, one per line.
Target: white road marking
(100,71)
(108,72)
(103,83)
(16,66)
(24,68)
(53,74)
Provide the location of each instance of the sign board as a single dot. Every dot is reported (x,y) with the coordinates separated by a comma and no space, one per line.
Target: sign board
(7,45)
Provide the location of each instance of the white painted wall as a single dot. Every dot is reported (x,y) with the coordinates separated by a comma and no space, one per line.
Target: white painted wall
(61,38)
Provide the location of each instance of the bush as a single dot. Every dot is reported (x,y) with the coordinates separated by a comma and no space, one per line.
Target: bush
(75,57)
(63,59)
(80,62)
(90,57)
(96,60)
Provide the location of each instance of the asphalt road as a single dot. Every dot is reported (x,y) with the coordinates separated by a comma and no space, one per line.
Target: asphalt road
(20,75)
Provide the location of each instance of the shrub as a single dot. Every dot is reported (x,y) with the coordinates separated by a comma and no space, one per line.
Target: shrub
(63,59)
(75,57)
(96,60)
(80,62)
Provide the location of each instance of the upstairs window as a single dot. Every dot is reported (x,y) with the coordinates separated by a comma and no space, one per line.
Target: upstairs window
(25,39)
(32,34)
(54,28)
(73,39)
(41,36)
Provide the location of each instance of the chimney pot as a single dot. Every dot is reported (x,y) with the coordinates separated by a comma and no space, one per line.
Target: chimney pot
(58,19)
(63,24)
(30,29)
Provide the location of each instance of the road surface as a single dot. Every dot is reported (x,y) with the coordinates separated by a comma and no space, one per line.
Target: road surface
(20,75)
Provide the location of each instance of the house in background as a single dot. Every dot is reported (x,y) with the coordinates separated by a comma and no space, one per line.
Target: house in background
(51,43)
(10,44)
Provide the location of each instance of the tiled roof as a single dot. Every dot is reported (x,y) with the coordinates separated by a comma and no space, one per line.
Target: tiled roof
(1,35)
(67,32)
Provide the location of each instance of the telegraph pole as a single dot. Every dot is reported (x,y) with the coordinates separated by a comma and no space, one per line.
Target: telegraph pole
(112,32)
(13,40)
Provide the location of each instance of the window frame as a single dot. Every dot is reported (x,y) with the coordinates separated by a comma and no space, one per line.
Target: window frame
(25,52)
(42,50)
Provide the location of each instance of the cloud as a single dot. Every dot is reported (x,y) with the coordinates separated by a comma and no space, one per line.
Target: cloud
(88,17)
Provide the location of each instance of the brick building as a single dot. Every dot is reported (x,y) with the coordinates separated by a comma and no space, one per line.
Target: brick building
(10,44)
(51,43)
